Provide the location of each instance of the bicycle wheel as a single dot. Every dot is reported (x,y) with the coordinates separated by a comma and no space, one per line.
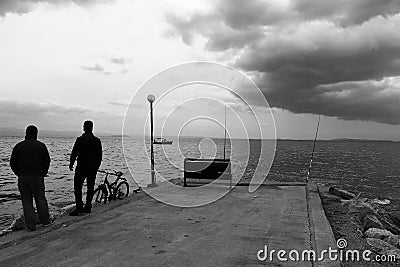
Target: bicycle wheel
(122,190)
(100,195)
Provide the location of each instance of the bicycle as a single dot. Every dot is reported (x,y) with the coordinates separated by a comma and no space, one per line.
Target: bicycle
(111,191)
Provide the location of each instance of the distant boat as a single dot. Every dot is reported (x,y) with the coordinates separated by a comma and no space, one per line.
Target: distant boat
(162,141)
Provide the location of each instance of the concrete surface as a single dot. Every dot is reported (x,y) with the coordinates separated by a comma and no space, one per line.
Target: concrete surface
(141,231)
(321,235)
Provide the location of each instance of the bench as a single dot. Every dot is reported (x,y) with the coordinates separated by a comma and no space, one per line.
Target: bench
(211,169)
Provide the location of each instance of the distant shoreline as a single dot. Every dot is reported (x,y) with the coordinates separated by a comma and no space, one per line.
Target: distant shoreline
(16,132)
(342,140)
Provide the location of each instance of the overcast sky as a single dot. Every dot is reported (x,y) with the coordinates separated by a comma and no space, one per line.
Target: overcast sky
(64,61)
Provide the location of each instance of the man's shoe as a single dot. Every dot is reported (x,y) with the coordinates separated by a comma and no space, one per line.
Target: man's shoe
(48,224)
(87,210)
(74,213)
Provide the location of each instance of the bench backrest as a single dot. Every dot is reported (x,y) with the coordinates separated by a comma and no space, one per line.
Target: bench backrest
(207,168)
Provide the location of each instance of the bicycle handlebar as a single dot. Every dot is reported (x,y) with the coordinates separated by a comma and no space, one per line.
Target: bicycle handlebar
(116,173)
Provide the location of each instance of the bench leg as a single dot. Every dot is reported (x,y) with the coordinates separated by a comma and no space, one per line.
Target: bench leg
(184,182)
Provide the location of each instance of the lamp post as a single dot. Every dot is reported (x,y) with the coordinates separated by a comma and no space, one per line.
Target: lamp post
(151,99)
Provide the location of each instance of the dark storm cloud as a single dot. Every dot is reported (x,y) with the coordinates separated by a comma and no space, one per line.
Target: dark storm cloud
(24,6)
(346,12)
(308,56)
(12,6)
(378,100)
(241,15)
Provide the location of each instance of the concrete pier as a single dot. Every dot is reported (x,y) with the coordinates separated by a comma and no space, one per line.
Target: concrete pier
(140,231)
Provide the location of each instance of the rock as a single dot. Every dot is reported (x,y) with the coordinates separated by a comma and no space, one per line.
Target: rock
(360,206)
(18,224)
(5,231)
(395,252)
(387,222)
(391,227)
(380,202)
(395,219)
(370,221)
(393,240)
(384,235)
(341,193)
(330,197)
(383,248)
(377,233)
(379,244)
(67,209)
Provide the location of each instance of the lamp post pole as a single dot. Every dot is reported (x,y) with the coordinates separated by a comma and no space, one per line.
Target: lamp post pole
(151,99)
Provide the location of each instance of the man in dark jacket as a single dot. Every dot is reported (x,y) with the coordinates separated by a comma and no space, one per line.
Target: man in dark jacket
(88,150)
(30,161)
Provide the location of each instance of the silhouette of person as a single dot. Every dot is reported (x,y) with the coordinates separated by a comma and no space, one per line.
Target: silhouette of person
(87,151)
(30,161)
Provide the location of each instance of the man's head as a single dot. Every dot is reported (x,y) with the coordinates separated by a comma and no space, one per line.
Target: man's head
(31,132)
(88,126)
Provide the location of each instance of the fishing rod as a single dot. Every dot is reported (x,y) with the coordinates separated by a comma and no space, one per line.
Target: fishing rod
(313,149)
(225,132)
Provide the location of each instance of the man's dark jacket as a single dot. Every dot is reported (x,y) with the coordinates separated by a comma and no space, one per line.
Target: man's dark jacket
(30,157)
(88,150)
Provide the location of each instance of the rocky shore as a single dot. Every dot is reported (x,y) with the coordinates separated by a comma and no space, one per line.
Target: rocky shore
(19,222)
(366,224)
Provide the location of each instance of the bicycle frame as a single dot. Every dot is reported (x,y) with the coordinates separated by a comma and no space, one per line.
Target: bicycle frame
(111,187)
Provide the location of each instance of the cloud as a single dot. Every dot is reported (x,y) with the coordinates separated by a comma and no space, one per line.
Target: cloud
(345,13)
(21,108)
(124,104)
(95,67)
(25,6)
(119,60)
(241,15)
(12,6)
(107,65)
(377,100)
(55,116)
(339,59)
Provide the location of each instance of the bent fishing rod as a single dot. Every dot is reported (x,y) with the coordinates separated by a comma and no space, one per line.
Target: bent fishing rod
(313,149)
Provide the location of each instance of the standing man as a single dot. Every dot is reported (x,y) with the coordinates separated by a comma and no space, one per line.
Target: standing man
(88,150)
(30,161)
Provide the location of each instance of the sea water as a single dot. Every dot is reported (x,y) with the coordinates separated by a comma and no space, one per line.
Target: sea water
(370,167)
